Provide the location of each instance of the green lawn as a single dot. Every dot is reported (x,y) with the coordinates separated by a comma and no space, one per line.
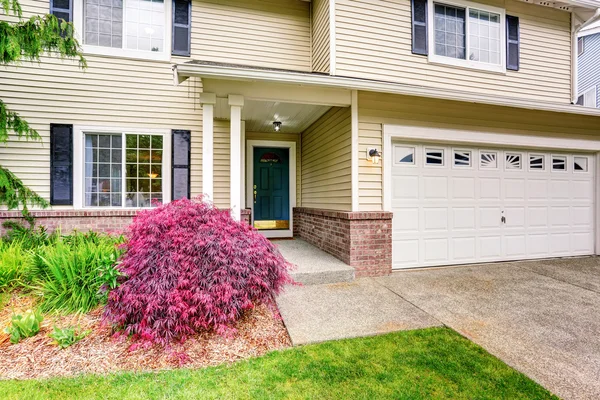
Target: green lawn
(422,364)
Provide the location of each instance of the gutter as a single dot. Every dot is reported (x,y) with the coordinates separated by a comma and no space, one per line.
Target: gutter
(575,54)
(185,70)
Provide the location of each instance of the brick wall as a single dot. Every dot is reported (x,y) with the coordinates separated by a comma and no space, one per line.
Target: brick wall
(109,221)
(362,240)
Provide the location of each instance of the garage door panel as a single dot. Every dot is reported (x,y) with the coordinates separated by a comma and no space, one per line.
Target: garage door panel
(538,216)
(581,190)
(464,249)
(537,189)
(490,247)
(405,187)
(463,188)
(514,189)
(435,187)
(560,244)
(452,214)
(435,219)
(490,217)
(464,218)
(489,188)
(515,246)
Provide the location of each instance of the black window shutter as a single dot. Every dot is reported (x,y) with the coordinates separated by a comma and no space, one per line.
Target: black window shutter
(512,43)
(62,9)
(61,164)
(180,161)
(419,27)
(182,27)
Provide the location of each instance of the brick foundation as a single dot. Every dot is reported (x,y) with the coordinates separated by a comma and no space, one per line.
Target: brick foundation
(108,221)
(362,240)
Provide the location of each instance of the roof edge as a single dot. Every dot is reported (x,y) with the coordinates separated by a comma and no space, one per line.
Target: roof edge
(191,69)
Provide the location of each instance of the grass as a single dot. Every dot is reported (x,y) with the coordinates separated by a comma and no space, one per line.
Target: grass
(422,364)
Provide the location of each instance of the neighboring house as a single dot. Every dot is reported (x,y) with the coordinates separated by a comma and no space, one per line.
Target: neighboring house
(392,134)
(588,50)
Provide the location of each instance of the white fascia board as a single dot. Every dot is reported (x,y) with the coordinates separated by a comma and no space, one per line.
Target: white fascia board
(298,78)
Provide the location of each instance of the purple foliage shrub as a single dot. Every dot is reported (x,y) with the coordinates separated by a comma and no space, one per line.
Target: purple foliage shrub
(189,266)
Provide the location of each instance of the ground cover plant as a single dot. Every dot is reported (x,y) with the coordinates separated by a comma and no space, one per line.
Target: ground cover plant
(24,326)
(68,273)
(422,364)
(68,336)
(190,267)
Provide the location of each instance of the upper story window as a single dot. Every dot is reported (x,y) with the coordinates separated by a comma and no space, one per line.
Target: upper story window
(148,29)
(125,27)
(466,34)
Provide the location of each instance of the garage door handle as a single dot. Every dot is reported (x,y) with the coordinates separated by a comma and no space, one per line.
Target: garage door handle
(503,219)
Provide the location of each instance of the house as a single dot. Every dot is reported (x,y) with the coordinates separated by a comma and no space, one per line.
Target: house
(392,134)
(588,51)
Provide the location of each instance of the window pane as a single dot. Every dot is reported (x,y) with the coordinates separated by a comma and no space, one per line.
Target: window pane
(449,26)
(103,22)
(145,25)
(144,169)
(484,30)
(102,173)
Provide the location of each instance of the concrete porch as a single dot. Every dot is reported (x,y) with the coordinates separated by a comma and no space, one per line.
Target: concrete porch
(313,265)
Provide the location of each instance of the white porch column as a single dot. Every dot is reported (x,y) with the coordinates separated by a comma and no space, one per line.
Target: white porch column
(236,102)
(208,101)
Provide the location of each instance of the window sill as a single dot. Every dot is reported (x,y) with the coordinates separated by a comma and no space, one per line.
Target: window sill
(465,64)
(125,53)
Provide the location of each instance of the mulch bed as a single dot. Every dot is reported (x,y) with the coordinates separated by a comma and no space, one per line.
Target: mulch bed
(260,331)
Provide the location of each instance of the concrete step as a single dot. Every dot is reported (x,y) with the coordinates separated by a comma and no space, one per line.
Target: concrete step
(313,265)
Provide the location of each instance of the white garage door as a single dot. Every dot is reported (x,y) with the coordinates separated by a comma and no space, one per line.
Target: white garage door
(458,205)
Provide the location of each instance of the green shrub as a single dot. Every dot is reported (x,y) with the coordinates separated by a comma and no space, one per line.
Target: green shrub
(67,336)
(75,273)
(24,326)
(29,237)
(14,261)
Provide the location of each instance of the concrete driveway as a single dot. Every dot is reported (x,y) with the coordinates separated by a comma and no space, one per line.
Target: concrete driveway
(541,317)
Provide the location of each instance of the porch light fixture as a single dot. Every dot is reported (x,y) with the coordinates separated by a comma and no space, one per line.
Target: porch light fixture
(276,126)
(374,155)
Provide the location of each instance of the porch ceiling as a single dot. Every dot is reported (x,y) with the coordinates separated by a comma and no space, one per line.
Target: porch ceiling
(259,115)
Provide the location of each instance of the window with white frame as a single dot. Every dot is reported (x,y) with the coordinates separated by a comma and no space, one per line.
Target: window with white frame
(467,34)
(123,169)
(588,98)
(125,27)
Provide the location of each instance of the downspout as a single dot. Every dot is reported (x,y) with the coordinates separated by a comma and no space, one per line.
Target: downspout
(575,54)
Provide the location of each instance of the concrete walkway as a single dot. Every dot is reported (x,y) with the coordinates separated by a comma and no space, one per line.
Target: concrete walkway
(361,308)
(541,317)
(313,265)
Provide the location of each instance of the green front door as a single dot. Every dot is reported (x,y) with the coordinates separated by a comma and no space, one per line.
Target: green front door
(271,188)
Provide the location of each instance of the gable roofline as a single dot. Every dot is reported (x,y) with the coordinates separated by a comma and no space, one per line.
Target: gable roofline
(245,73)
(590,30)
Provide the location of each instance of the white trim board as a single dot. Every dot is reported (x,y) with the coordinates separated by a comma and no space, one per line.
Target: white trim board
(291,146)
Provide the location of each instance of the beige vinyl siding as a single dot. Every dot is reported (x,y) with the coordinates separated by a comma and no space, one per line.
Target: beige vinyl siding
(285,137)
(373,41)
(221,163)
(320,35)
(326,162)
(262,33)
(376,109)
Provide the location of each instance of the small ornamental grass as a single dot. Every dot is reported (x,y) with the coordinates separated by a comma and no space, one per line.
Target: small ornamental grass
(189,267)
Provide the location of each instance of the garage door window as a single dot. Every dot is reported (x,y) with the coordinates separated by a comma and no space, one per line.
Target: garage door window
(434,157)
(513,161)
(404,155)
(536,162)
(462,158)
(488,160)
(580,164)
(559,163)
